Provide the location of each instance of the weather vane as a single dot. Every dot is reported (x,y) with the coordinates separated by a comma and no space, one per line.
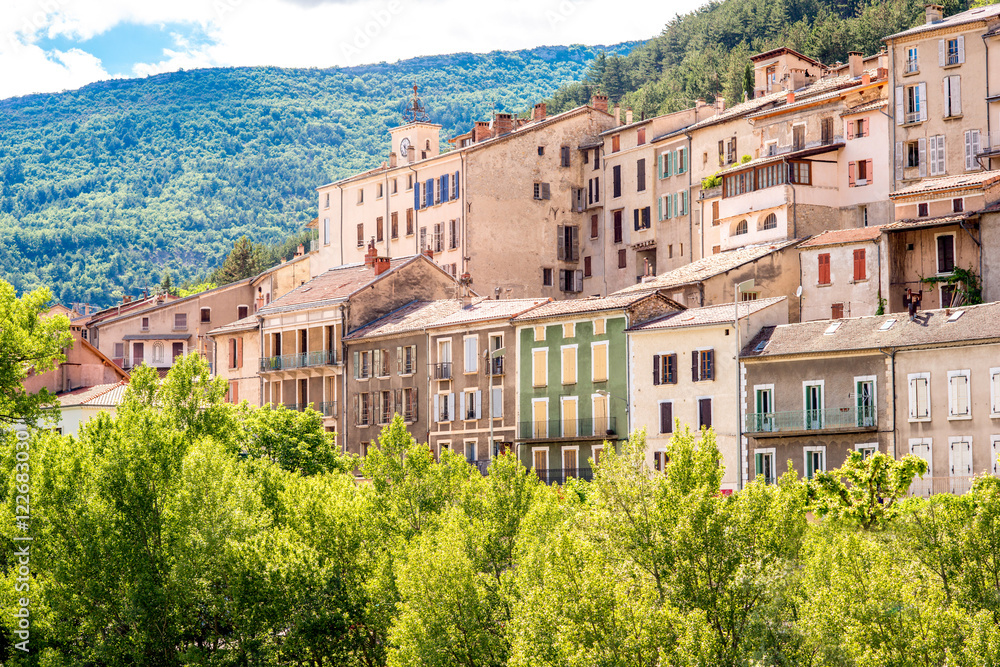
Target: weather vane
(416,113)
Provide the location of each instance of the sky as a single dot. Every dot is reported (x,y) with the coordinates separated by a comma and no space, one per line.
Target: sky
(54,45)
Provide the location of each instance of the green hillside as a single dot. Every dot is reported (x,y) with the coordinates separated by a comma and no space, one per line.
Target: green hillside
(705,53)
(106,186)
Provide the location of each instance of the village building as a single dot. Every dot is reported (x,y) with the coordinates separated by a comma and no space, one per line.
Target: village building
(841,274)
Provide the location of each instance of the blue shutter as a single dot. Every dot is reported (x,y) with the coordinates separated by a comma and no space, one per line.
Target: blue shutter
(429,193)
(456,185)
(677,202)
(416,196)
(445,191)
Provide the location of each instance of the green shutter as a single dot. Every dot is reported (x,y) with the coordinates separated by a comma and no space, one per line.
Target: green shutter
(758,464)
(659,208)
(809,465)
(660,159)
(670,199)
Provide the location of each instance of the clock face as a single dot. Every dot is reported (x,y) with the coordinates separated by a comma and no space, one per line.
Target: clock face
(404,145)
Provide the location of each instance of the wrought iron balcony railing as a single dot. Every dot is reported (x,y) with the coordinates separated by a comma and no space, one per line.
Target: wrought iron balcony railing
(304,360)
(571,428)
(810,420)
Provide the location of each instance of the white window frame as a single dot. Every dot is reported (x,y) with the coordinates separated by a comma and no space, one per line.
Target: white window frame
(672,415)
(540,449)
(753,397)
(441,446)
(465,354)
(874,380)
(994,453)
(911,405)
(607,361)
(563,400)
(994,393)
(465,407)
(545,430)
(766,451)
(539,328)
(863,446)
(806,451)
(928,478)
(822,402)
(594,398)
(562,458)
(593,454)
(475,450)
(663,453)
(966,373)
(953,485)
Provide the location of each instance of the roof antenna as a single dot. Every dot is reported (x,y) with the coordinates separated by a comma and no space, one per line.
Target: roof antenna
(416,113)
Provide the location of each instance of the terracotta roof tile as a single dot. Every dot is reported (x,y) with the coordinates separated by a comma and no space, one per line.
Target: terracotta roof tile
(836,237)
(859,334)
(717,314)
(970,16)
(107,395)
(592,304)
(915,223)
(490,309)
(863,108)
(414,316)
(245,324)
(982,178)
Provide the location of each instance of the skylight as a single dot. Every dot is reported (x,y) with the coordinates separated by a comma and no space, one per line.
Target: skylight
(957,314)
(761,345)
(832,328)
(887,324)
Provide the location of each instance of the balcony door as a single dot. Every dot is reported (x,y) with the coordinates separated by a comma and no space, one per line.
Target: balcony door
(569,418)
(570,462)
(540,462)
(137,354)
(813,406)
(764,418)
(865,397)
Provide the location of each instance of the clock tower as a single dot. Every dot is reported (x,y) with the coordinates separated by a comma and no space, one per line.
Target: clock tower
(417,133)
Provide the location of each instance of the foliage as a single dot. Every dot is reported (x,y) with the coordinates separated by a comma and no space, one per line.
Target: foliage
(31,342)
(968,288)
(103,187)
(865,491)
(709,182)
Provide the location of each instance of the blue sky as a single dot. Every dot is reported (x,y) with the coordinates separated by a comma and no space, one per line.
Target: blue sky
(52,45)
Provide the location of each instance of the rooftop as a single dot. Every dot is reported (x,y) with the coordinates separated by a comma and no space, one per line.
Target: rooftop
(490,309)
(970,16)
(839,236)
(927,185)
(707,315)
(859,334)
(101,395)
(916,223)
(414,316)
(707,267)
(593,304)
(245,324)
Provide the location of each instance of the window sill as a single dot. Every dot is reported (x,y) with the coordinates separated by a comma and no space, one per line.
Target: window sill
(953,65)
(858,281)
(824,284)
(925,420)
(958,418)
(958,117)
(913,73)
(913,123)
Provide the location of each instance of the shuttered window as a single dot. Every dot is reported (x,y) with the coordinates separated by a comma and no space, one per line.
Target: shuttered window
(823,261)
(600,358)
(569,365)
(919,390)
(704,413)
(946,253)
(859,264)
(539,367)
(995,392)
(958,395)
(666,417)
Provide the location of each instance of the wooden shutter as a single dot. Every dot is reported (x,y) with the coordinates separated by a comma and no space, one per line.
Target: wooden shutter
(837,311)
(671,369)
(824,268)
(666,418)
(635,219)
(859,264)
(710,368)
(942,53)
(600,363)
(851,173)
(922,149)
(869,174)
(899,160)
(538,372)
(232,353)
(705,412)
(239,353)
(850,129)
(922,92)
(569,365)
(694,366)
(656,369)
(900,109)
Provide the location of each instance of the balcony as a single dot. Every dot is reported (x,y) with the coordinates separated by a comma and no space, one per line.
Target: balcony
(851,418)
(495,367)
(560,475)
(292,361)
(328,408)
(989,144)
(442,371)
(574,428)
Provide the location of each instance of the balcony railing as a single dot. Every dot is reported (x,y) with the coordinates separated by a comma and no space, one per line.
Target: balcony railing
(911,67)
(328,408)
(574,428)
(304,360)
(560,475)
(810,420)
(989,143)
(442,370)
(495,367)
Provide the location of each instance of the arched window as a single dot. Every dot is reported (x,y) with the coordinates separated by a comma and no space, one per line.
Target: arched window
(741,228)
(769,222)
(157,352)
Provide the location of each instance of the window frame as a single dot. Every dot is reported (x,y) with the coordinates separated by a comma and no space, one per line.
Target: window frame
(813,449)
(912,403)
(995,392)
(770,453)
(952,415)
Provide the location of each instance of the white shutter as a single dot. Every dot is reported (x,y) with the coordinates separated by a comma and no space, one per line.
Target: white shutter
(969,159)
(437,408)
(953,395)
(941,155)
(976,148)
(922,90)
(934,156)
(922,402)
(497,402)
(479,404)
(922,149)
(995,390)
(913,398)
(956,95)
(994,455)
(451,406)
(900,111)
(461,405)
(899,160)
(942,52)
(961,49)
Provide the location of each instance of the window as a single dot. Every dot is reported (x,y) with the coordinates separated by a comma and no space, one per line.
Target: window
(180,320)
(394,225)
(406,360)
(471,354)
(815,461)
(836,311)
(119,350)
(960,463)
(951,51)
(640,136)
(594,226)
(600,412)
(570,427)
(823,268)
(922,210)
(471,404)
(144,326)
(597,158)
(438,237)
(640,175)
(799,172)
(378,191)
(497,399)
(995,392)
(568,243)
(922,486)
(616,217)
(363,361)
(327,202)
(564,156)
(409,182)
(361,195)
(362,409)
(812,399)
(864,216)
(764,465)
(622,259)
(641,218)
(911,60)
(379,229)
(394,186)
(857,129)
(541,191)
(959,400)
(453,234)
(242,311)
(616,181)
(798,137)
(866,449)
(444,407)
(972,149)
(409,222)
(826,130)
(702,365)
(384,407)
(957,205)
(945,253)
(666,417)
(539,332)
(920,396)
(423,239)
(952,96)
(616,144)
(937,155)
(913,102)
(361,235)
(569,364)
(660,461)
(859,264)
(599,356)
(770,222)
(235,353)
(571,280)
(859,173)
(539,367)
(741,228)
(665,368)
(569,330)
(704,413)
(547,277)
(541,150)
(326,231)
(763,418)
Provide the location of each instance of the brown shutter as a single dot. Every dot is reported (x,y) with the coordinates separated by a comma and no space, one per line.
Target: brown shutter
(851,171)
(869,174)
(694,366)
(239,353)
(666,418)
(656,369)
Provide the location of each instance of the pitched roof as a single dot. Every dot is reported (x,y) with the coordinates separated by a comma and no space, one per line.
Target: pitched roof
(839,236)
(735,111)
(414,316)
(928,185)
(490,309)
(245,324)
(593,304)
(929,327)
(101,395)
(804,152)
(707,267)
(970,16)
(717,314)
(862,108)
(915,223)
(337,285)
(785,49)
(170,303)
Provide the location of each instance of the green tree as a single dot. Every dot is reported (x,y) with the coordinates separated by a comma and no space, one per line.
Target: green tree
(296,441)
(245,260)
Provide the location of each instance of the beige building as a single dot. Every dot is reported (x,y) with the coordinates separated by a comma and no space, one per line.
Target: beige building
(236,357)
(939,70)
(79,406)
(840,274)
(519,234)
(683,369)
(928,386)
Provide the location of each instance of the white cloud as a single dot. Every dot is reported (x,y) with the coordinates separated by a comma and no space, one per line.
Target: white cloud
(29,69)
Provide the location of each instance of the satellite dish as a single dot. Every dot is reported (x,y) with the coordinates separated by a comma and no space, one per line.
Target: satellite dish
(798,291)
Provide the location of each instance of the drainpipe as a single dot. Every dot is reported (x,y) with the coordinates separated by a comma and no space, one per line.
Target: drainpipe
(387,221)
(464,245)
(604,215)
(978,243)
(892,117)
(986,45)
(690,208)
(878,254)
(892,366)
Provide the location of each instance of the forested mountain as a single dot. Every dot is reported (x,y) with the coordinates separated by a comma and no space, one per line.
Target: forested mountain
(706,53)
(105,187)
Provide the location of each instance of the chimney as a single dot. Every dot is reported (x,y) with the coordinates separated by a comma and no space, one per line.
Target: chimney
(539,113)
(381,265)
(371,254)
(699,103)
(883,73)
(628,116)
(720,104)
(480,131)
(933,13)
(411,153)
(866,78)
(618,115)
(599,102)
(790,97)
(854,66)
(392,160)
(301,250)
(466,281)
(503,123)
